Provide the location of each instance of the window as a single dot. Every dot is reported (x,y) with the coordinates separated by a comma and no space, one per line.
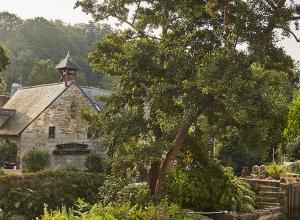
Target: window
(51,132)
(89,135)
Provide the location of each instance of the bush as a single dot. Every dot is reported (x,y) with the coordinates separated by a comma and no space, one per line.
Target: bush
(26,195)
(135,194)
(35,161)
(118,190)
(274,170)
(112,186)
(121,211)
(94,163)
(8,152)
(209,187)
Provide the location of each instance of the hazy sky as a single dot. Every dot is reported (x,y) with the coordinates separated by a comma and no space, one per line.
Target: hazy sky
(63,10)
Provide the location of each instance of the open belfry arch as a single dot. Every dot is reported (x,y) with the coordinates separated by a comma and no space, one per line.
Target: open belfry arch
(67,67)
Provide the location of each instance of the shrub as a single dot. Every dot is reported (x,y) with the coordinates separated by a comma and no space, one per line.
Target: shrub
(135,194)
(209,187)
(112,186)
(94,163)
(122,211)
(36,160)
(274,170)
(8,152)
(26,195)
(119,190)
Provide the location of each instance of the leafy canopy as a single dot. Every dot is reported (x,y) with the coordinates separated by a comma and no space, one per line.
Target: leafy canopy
(179,64)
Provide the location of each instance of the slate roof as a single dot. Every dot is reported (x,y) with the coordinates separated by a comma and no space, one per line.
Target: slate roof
(94,93)
(68,63)
(29,103)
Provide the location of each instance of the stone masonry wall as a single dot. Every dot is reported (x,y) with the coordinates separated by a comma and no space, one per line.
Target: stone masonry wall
(68,128)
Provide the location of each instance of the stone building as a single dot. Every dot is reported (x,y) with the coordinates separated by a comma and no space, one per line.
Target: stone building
(44,117)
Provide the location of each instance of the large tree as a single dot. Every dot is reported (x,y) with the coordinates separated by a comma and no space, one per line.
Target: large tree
(179,62)
(8,24)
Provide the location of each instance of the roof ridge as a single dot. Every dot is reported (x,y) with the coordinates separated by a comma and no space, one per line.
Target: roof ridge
(42,85)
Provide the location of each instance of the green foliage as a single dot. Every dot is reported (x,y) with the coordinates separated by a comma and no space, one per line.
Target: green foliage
(94,163)
(187,74)
(2,172)
(8,24)
(295,168)
(43,72)
(162,211)
(35,161)
(8,152)
(193,71)
(292,148)
(112,186)
(26,195)
(118,190)
(232,152)
(32,40)
(292,131)
(274,170)
(209,187)
(135,194)
(4,61)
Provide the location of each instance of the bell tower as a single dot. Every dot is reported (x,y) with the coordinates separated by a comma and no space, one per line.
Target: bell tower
(67,67)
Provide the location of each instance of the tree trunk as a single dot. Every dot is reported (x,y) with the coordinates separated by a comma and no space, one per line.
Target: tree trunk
(153,175)
(168,162)
(155,163)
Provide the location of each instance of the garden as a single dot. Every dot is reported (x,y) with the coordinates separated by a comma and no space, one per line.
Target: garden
(203,91)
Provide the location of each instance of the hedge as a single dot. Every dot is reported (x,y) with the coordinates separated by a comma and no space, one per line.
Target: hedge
(26,195)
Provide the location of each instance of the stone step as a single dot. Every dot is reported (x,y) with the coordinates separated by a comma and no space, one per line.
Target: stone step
(268,199)
(269,204)
(269,183)
(269,189)
(271,194)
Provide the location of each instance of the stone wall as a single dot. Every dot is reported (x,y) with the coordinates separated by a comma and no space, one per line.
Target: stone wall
(68,128)
(289,178)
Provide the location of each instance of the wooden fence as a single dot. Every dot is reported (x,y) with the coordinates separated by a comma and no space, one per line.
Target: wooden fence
(294,201)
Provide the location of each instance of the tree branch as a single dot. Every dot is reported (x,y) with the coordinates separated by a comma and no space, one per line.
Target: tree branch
(295,18)
(294,35)
(136,12)
(270,3)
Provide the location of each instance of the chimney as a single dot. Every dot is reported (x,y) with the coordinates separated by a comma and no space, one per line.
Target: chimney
(67,67)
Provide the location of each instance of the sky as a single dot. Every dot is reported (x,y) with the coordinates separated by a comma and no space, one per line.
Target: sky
(64,10)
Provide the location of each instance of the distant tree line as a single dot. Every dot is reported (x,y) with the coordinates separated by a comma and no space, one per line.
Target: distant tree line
(36,45)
